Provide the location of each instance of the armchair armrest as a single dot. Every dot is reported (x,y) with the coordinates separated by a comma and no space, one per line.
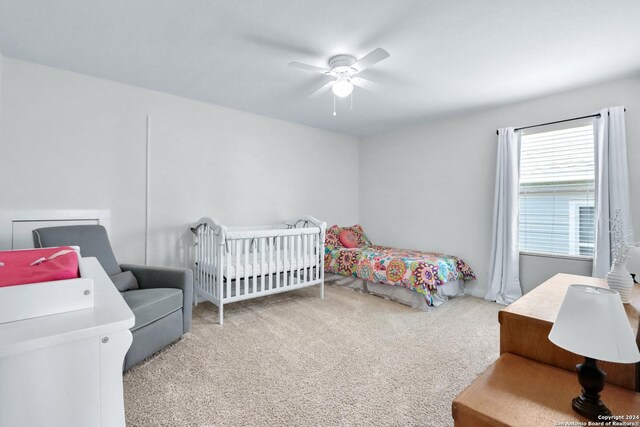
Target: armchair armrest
(165,277)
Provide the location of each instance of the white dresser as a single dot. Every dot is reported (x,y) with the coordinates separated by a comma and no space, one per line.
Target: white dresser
(66,369)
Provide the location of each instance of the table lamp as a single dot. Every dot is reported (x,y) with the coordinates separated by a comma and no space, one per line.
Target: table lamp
(633,265)
(592,323)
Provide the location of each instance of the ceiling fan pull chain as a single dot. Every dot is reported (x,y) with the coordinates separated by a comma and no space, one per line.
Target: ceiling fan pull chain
(351,107)
(334,104)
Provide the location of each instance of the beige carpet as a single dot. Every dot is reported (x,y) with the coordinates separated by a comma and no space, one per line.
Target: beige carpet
(293,359)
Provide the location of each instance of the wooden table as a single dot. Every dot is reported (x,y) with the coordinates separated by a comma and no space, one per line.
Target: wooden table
(515,391)
(525,327)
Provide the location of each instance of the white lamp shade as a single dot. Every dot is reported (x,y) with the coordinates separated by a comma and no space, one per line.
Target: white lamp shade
(592,323)
(342,87)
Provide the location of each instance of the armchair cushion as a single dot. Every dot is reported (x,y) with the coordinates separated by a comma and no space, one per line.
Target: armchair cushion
(165,277)
(149,305)
(124,281)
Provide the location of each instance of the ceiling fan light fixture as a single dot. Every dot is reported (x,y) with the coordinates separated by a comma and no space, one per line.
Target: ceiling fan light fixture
(342,87)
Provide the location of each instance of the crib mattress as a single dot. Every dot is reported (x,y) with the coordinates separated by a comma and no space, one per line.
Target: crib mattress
(259,268)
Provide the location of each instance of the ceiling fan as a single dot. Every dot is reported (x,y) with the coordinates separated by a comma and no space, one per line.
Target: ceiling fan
(344,69)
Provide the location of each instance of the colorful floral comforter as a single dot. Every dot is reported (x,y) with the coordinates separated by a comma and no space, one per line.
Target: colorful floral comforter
(418,271)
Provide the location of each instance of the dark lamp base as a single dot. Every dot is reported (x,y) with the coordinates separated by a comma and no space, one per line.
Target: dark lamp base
(591,378)
(589,410)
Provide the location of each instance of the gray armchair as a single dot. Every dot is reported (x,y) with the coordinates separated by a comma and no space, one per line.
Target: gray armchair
(159,297)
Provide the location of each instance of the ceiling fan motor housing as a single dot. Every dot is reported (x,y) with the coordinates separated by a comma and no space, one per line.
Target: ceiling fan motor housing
(341,64)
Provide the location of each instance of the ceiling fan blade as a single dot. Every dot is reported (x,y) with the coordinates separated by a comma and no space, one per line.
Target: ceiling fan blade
(371,58)
(323,89)
(364,83)
(309,67)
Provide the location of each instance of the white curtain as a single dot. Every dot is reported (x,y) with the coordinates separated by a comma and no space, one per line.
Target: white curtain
(504,270)
(612,183)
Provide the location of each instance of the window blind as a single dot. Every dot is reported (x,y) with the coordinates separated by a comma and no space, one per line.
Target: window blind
(557,183)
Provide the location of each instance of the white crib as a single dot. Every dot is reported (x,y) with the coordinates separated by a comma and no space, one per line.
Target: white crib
(235,264)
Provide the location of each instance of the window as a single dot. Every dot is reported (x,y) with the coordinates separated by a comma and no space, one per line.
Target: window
(557,182)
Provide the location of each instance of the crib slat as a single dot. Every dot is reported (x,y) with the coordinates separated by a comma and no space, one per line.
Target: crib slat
(207,262)
(202,259)
(205,259)
(309,258)
(205,253)
(291,250)
(278,261)
(271,243)
(254,247)
(214,268)
(219,270)
(241,279)
(300,258)
(314,263)
(292,246)
(312,251)
(263,267)
(246,266)
(285,255)
(305,255)
(208,257)
(302,254)
(208,274)
(237,258)
(211,272)
(227,253)
(297,241)
(214,263)
(197,265)
(197,268)
(318,257)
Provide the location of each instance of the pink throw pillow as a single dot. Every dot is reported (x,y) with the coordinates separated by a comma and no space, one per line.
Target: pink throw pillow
(348,239)
(332,238)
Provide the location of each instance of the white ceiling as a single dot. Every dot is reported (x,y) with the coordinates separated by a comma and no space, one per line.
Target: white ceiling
(446,56)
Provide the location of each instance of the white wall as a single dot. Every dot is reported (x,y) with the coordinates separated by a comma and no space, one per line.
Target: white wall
(71,141)
(432,186)
(1,61)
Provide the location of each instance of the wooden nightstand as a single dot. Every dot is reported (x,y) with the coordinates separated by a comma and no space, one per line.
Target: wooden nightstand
(515,391)
(525,327)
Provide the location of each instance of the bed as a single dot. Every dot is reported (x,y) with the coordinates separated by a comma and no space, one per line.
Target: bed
(416,278)
(239,263)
